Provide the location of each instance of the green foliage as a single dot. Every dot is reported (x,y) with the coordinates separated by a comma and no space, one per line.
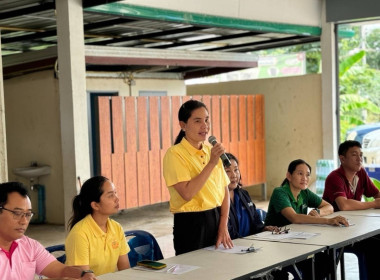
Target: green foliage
(352,102)
(359,82)
(373,49)
(377,185)
(351,106)
(359,74)
(346,45)
(356,97)
(349,61)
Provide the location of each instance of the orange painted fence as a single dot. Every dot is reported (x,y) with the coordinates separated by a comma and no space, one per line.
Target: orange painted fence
(135,132)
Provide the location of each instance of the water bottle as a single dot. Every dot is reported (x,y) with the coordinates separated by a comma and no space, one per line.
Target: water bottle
(324,167)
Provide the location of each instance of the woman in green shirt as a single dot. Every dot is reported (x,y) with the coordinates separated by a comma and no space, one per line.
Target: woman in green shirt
(289,205)
(290,202)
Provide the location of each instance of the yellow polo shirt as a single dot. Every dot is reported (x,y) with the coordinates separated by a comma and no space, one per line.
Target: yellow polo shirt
(87,244)
(182,162)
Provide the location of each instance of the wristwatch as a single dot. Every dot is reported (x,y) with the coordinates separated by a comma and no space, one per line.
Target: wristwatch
(85,271)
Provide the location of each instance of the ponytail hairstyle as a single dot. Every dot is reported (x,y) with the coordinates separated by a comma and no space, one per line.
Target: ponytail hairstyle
(91,191)
(292,167)
(232,157)
(184,114)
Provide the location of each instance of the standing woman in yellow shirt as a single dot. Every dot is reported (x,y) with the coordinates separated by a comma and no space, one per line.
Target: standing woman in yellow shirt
(96,242)
(197,184)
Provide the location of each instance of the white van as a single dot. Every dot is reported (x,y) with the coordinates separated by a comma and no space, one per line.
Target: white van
(371,147)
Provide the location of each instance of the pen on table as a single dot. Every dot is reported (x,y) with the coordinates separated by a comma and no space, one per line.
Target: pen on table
(249,249)
(172,269)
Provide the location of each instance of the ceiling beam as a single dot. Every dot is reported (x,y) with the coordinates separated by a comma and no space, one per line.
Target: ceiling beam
(49,33)
(214,39)
(137,56)
(280,44)
(96,55)
(207,72)
(148,35)
(237,47)
(197,19)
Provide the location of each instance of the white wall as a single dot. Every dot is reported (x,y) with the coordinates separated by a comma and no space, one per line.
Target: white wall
(301,12)
(172,87)
(33,134)
(292,119)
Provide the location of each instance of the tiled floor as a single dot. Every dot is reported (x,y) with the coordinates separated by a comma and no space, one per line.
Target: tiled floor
(157,220)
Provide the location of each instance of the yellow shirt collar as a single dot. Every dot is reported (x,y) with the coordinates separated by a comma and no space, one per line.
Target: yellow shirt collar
(98,232)
(190,148)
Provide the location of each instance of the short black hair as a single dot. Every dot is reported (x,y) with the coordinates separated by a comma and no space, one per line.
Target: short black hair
(343,147)
(232,157)
(10,187)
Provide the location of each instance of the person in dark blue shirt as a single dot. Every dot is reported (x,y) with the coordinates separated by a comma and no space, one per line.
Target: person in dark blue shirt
(244,219)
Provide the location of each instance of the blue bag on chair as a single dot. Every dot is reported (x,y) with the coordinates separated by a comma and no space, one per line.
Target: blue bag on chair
(143,246)
(58,248)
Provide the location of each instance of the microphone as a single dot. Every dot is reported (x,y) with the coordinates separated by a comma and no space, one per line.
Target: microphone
(225,159)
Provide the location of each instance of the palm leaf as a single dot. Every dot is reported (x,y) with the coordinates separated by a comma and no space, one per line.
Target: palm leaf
(348,62)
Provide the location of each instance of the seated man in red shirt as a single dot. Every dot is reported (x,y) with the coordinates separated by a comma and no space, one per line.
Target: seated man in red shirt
(344,188)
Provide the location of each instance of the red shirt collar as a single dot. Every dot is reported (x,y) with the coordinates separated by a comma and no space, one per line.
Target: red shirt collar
(11,250)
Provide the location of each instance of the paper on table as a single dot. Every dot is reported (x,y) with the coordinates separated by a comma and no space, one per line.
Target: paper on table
(235,250)
(304,235)
(170,268)
(267,235)
(325,225)
(180,268)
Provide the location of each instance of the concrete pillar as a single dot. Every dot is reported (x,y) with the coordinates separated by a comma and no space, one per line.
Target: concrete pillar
(73,102)
(3,139)
(330,106)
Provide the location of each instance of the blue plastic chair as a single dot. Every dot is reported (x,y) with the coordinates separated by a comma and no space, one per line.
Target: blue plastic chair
(143,246)
(58,248)
(361,263)
(262,214)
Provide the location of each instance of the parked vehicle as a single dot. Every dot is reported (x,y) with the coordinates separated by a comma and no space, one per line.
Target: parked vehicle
(371,147)
(357,133)
(371,153)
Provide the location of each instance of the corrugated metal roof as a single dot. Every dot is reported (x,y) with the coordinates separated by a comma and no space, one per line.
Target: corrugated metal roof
(29,26)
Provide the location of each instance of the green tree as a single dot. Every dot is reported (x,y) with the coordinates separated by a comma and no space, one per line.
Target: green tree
(359,74)
(355,87)
(373,48)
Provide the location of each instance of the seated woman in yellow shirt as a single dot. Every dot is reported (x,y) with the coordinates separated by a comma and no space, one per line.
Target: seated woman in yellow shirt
(96,242)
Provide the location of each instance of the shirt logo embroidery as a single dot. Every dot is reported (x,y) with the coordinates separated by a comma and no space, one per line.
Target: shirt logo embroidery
(115,244)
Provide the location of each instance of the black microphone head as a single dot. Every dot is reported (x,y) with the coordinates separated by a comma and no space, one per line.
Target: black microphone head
(226,162)
(212,139)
